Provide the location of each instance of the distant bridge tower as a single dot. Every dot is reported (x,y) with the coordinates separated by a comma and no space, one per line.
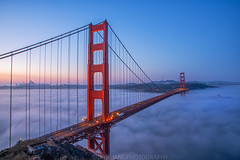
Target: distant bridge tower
(182,80)
(100,142)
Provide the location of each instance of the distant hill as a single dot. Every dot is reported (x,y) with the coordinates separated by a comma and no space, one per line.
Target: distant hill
(159,86)
(165,82)
(164,86)
(221,83)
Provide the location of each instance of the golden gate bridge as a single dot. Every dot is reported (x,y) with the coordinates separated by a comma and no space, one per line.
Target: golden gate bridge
(80,83)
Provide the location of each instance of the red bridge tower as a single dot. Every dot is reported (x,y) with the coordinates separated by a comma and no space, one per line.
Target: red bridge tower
(182,80)
(101,141)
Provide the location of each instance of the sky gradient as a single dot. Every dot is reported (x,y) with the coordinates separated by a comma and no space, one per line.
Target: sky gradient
(200,38)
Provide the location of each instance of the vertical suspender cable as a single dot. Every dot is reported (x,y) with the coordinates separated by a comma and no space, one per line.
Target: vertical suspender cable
(77,72)
(86,60)
(61,85)
(51,89)
(84,72)
(11,80)
(57,81)
(127,81)
(116,71)
(110,72)
(69,43)
(29,96)
(123,68)
(138,85)
(39,93)
(122,80)
(26,90)
(45,53)
(120,75)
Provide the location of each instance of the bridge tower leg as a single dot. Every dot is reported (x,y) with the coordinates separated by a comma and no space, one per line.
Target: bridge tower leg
(182,80)
(103,95)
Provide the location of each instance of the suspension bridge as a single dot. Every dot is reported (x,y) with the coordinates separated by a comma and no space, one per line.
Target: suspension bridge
(76,86)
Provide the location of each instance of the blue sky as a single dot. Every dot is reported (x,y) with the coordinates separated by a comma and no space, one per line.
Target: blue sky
(200,38)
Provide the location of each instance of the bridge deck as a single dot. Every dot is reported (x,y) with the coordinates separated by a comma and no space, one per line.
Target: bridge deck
(87,130)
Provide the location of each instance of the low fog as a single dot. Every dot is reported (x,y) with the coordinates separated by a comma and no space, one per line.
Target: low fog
(203,124)
(19,110)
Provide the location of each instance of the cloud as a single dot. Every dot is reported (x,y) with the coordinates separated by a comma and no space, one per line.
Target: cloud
(194,126)
(199,125)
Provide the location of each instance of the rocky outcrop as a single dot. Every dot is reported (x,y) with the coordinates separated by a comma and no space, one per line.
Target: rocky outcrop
(51,150)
